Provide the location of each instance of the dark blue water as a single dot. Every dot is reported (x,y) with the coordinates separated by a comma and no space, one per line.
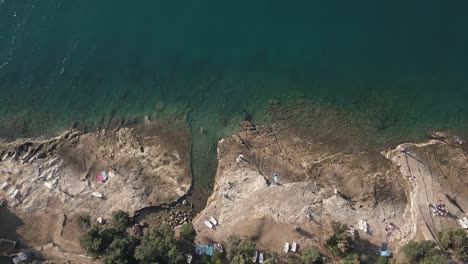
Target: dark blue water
(402,63)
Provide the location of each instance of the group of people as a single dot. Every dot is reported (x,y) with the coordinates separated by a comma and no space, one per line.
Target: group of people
(439,210)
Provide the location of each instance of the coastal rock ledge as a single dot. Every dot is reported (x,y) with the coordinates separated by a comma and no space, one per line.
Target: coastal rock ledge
(320,182)
(50,180)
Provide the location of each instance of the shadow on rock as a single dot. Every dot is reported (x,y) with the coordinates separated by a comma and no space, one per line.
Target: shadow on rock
(9,224)
(362,246)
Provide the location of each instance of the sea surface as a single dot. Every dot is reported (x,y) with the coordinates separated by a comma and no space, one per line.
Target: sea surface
(62,62)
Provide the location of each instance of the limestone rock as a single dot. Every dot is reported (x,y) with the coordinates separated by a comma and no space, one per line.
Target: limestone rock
(247,125)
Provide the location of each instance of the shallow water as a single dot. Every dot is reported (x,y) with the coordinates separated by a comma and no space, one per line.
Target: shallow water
(401,64)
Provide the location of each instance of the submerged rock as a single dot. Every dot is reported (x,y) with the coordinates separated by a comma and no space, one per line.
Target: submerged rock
(160,106)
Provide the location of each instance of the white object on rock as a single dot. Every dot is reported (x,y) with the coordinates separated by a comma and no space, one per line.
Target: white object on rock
(97,194)
(208,224)
(240,158)
(14,193)
(363,225)
(213,220)
(11,190)
(286,247)
(3,186)
(294,247)
(463,222)
(254,258)
(49,185)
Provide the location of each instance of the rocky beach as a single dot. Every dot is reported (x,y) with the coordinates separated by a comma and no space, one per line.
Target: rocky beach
(47,183)
(283,131)
(321,182)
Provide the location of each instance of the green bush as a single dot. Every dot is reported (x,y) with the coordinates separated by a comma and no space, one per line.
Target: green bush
(312,256)
(188,233)
(452,237)
(84,221)
(462,251)
(92,242)
(351,259)
(121,251)
(338,244)
(96,240)
(424,252)
(217,257)
(382,260)
(457,240)
(120,220)
(158,246)
(240,251)
(273,259)
(205,260)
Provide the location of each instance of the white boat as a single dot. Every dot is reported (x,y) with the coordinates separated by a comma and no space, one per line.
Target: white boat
(208,224)
(260,258)
(294,247)
(286,247)
(213,221)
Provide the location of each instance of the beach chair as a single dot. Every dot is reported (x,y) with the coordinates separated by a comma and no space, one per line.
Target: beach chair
(213,221)
(254,258)
(294,247)
(286,248)
(463,222)
(208,224)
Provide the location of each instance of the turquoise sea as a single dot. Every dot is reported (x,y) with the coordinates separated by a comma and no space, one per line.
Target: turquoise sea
(62,62)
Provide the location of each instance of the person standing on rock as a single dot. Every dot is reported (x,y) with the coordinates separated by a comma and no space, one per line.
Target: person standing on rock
(404,150)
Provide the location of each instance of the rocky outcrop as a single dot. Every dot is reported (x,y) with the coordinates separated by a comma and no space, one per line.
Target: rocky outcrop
(318,184)
(147,165)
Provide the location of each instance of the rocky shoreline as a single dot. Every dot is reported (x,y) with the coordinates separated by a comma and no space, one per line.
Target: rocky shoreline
(51,181)
(45,180)
(321,182)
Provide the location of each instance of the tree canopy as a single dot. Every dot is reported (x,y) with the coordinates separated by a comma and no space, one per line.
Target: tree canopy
(121,251)
(338,243)
(312,256)
(455,239)
(240,251)
(424,252)
(96,240)
(120,220)
(187,232)
(158,246)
